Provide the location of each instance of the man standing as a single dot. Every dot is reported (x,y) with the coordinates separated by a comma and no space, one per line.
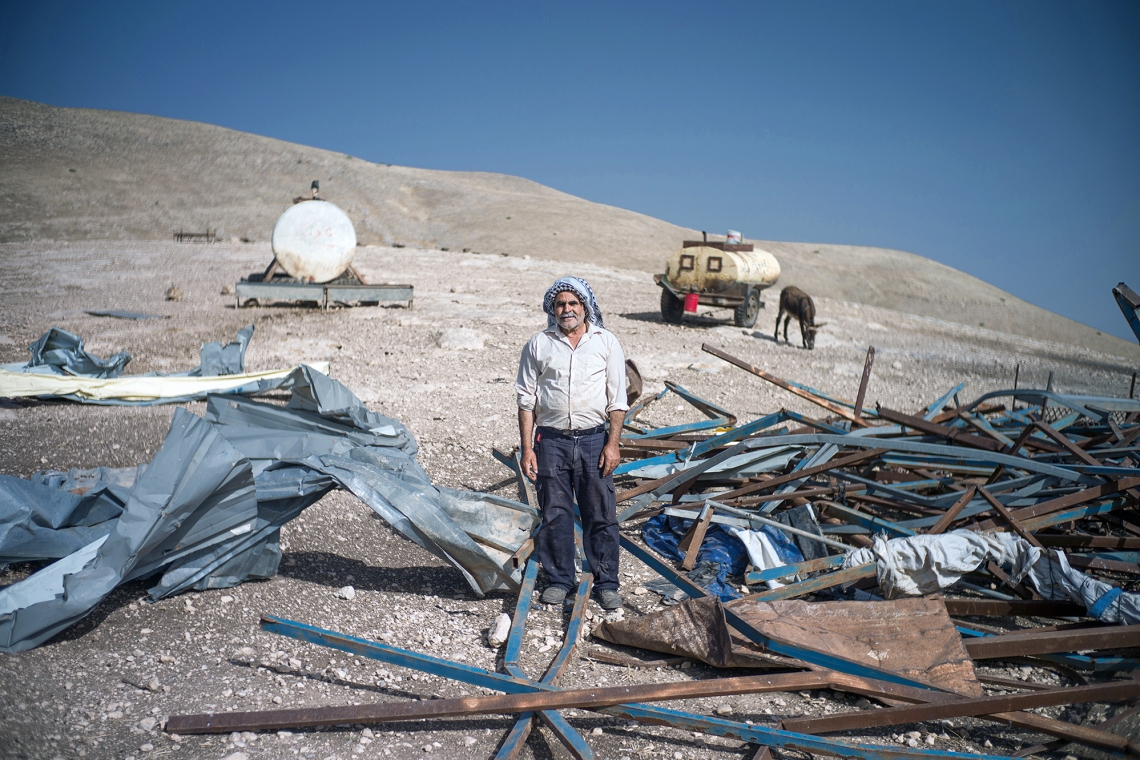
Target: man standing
(571,383)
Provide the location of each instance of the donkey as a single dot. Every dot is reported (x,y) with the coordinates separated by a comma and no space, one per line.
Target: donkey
(796,303)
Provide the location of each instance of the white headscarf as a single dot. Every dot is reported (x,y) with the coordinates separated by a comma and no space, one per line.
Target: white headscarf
(580,288)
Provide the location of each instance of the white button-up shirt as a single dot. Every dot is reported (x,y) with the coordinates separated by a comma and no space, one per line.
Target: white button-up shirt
(572,388)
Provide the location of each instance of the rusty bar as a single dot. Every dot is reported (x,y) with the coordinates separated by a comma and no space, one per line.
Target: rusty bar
(762,753)
(1026,720)
(695,537)
(496,704)
(954,435)
(951,515)
(893,716)
(625,661)
(1037,749)
(1021,608)
(1009,518)
(863,382)
(1064,502)
(1052,642)
(1090,542)
(829,406)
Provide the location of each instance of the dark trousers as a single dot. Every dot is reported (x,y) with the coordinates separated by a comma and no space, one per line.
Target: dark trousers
(568,472)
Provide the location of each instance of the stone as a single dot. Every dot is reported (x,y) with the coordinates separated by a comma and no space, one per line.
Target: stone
(237,756)
(277,700)
(597,731)
(227,290)
(153,685)
(147,724)
(174,293)
(499,631)
(146,747)
(460,339)
(346,592)
(470,741)
(724,710)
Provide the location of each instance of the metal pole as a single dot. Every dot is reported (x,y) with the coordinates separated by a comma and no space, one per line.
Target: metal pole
(863,383)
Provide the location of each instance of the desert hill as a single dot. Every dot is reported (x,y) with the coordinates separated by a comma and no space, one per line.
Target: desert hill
(80,174)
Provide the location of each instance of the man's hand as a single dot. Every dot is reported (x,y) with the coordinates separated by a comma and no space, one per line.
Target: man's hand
(530,464)
(611,457)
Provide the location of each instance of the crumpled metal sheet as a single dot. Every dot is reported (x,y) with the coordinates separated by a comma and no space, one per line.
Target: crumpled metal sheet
(912,637)
(255,467)
(43,522)
(196,485)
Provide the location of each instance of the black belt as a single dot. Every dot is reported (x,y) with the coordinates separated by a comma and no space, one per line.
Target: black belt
(572,433)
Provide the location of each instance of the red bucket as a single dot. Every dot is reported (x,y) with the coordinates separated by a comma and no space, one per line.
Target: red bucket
(691,301)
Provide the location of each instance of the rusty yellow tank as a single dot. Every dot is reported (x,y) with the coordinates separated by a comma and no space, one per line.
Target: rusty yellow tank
(720,275)
(704,268)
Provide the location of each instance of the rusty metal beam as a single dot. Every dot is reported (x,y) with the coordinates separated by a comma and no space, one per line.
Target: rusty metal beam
(863,382)
(951,515)
(1027,720)
(1022,608)
(497,704)
(1024,644)
(1095,493)
(893,716)
(1009,518)
(954,435)
(843,412)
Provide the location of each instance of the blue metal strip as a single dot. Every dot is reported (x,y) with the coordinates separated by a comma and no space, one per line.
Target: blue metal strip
(703,447)
(773,737)
(933,410)
(405,658)
(774,573)
(688,427)
(522,609)
(644,713)
(705,406)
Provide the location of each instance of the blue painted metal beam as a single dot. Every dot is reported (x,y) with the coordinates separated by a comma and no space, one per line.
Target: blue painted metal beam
(934,409)
(811,565)
(643,713)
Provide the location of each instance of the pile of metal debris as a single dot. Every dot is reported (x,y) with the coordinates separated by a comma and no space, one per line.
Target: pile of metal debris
(874,552)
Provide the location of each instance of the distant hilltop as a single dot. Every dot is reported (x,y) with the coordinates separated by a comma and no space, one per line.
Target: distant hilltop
(82,174)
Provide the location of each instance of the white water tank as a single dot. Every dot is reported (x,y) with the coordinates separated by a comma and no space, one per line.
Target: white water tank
(314,241)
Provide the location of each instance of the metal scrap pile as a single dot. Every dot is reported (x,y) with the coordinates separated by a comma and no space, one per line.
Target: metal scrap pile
(875,553)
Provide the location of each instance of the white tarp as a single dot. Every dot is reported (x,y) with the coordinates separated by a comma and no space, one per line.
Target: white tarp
(919,565)
(136,388)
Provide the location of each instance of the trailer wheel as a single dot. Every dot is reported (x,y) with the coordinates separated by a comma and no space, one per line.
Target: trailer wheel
(672,308)
(745,314)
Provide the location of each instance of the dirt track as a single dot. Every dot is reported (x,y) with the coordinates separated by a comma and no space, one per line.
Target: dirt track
(73,697)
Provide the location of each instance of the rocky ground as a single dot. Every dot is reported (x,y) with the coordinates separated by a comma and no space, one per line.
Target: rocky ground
(444,367)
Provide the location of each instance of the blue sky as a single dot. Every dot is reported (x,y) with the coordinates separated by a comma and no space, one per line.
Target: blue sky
(1002,139)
